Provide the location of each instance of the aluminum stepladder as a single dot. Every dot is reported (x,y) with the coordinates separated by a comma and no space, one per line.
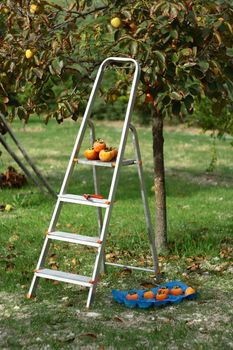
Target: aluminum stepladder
(107,204)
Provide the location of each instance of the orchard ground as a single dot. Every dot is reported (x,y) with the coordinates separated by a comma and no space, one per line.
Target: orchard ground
(200,242)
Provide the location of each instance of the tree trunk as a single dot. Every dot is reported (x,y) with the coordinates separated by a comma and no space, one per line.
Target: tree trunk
(159,182)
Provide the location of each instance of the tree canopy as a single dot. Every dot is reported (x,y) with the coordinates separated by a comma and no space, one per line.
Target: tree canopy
(50,49)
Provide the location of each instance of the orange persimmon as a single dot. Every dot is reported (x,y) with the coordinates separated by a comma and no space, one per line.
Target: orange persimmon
(177,290)
(106,155)
(91,154)
(161,295)
(149,98)
(132,296)
(114,153)
(148,294)
(164,290)
(98,145)
(189,291)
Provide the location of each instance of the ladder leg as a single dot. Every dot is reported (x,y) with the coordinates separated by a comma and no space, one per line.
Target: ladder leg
(145,199)
(40,264)
(45,249)
(97,191)
(97,269)
(99,256)
(55,216)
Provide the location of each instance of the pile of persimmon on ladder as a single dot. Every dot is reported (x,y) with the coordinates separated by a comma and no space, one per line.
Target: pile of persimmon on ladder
(100,151)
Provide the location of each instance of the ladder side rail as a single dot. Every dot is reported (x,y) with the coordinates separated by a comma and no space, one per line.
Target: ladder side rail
(144,197)
(95,176)
(125,129)
(121,149)
(115,177)
(97,191)
(55,216)
(82,129)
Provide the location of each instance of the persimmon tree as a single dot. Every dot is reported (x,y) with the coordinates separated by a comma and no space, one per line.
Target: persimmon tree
(50,49)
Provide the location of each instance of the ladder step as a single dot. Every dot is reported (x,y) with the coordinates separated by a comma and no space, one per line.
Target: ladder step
(77,199)
(64,277)
(74,238)
(105,164)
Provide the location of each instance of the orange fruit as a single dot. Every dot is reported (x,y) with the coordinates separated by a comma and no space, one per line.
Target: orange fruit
(148,294)
(164,290)
(176,291)
(149,98)
(161,295)
(91,154)
(189,291)
(106,155)
(114,153)
(99,145)
(132,296)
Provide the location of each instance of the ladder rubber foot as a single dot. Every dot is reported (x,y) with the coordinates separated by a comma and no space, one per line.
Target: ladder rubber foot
(29,296)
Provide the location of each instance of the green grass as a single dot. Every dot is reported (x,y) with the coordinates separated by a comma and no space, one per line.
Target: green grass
(200,225)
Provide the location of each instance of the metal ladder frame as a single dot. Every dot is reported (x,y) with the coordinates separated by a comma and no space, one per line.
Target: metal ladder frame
(103,222)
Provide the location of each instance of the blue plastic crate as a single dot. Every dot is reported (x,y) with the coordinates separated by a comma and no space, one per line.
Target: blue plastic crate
(141,302)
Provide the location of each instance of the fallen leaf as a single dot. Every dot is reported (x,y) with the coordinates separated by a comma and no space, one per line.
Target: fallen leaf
(74,261)
(174,257)
(13,238)
(124,272)
(148,285)
(10,246)
(194,267)
(53,260)
(110,257)
(90,335)
(226,253)
(9,266)
(118,319)
(8,207)
(54,266)
(12,179)
(67,338)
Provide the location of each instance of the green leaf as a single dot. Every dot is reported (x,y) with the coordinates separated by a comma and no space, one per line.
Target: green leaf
(229,51)
(174,34)
(161,57)
(176,107)
(57,66)
(134,48)
(188,101)
(203,65)
(175,96)
(39,73)
(185,52)
(174,58)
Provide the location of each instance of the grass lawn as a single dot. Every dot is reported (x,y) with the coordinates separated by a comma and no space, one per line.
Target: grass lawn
(200,222)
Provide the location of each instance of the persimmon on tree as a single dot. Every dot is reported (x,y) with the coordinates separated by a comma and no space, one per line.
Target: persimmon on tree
(184,47)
